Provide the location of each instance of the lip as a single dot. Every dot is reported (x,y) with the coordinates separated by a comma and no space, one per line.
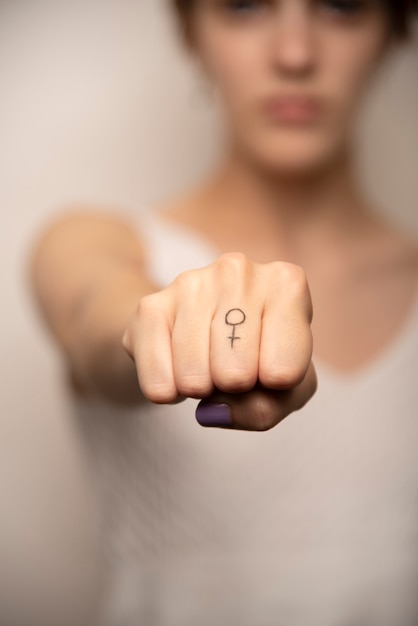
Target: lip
(292,109)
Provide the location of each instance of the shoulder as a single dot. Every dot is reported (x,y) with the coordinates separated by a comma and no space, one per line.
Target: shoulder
(92,220)
(92,228)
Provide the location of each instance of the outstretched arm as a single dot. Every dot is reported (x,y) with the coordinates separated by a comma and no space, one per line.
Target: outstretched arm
(87,273)
(235,333)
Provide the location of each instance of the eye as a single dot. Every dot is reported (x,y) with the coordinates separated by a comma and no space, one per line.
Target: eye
(244,6)
(344,7)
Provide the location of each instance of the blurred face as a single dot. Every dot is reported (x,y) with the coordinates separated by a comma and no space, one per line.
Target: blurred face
(290,73)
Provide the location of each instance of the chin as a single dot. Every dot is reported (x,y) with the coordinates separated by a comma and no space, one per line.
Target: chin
(297,156)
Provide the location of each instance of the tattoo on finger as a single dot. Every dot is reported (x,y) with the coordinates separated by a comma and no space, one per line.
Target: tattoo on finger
(234,318)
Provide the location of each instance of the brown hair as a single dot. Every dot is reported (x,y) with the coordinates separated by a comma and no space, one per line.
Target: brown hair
(401,14)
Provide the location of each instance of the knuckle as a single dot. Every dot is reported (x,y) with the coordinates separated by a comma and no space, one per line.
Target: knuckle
(236,381)
(149,305)
(284,377)
(159,393)
(233,263)
(295,277)
(291,376)
(295,284)
(188,281)
(194,386)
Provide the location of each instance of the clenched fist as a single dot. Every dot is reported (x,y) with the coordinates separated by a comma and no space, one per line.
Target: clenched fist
(235,334)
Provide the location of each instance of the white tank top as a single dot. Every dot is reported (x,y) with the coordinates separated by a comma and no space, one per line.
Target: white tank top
(314,523)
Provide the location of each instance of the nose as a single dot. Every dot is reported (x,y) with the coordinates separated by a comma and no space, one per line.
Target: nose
(293,42)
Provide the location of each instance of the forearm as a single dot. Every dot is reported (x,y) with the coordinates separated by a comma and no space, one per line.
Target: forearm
(96,327)
(87,274)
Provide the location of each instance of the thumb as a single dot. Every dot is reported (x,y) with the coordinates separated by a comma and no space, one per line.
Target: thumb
(257,410)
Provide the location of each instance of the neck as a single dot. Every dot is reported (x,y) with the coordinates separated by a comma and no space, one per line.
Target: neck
(329,194)
(299,209)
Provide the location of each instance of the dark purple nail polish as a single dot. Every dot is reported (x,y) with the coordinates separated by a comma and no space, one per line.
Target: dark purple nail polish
(215,415)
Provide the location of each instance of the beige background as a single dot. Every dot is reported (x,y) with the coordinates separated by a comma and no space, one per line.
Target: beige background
(99,106)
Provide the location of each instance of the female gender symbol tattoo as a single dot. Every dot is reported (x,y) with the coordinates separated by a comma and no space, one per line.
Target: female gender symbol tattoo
(234,317)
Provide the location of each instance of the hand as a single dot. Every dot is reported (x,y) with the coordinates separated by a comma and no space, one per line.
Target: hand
(235,334)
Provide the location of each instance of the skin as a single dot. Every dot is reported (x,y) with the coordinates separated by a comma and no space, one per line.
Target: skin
(285,196)
(279,47)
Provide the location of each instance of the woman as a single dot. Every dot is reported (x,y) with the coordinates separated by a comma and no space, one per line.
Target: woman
(211,299)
